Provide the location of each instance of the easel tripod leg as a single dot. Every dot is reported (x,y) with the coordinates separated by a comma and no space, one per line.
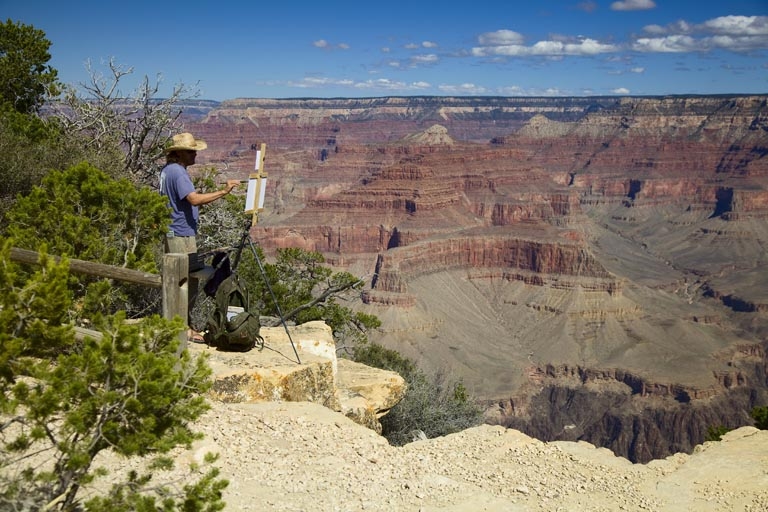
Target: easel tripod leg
(247,236)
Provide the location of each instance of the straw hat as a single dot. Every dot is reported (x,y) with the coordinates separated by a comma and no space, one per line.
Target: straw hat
(185,141)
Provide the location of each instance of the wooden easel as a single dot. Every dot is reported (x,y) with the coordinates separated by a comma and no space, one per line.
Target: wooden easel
(254,203)
(257,186)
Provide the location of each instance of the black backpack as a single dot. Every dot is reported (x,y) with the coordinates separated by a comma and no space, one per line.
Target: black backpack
(231,325)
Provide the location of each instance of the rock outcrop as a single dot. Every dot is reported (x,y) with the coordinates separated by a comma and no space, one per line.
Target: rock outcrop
(299,364)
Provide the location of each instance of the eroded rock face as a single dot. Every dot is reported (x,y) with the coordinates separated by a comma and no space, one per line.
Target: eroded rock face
(507,238)
(299,364)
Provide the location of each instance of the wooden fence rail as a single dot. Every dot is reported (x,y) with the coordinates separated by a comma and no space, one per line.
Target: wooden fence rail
(94,269)
(174,280)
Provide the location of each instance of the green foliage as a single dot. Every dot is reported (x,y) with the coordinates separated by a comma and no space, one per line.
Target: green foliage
(760,415)
(83,213)
(132,390)
(378,356)
(26,79)
(201,496)
(33,312)
(296,273)
(433,405)
(715,433)
(306,290)
(220,226)
(30,147)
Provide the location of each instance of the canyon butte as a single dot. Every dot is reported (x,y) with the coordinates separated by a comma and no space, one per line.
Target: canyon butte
(592,268)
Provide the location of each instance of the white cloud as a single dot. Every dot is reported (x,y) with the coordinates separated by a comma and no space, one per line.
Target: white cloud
(552,91)
(738,25)
(633,5)
(737,44)
(637,70)
(733,33)
(313,82)
(386,84)
(547,49)
(668,44)
(655,30)
(429,44)
(723,25)
(466,88)
(424,59)
(322,43)
(620,90)
(589,47)
(587,6)
(512,90)
(500,38)
(516,90)
(382,84)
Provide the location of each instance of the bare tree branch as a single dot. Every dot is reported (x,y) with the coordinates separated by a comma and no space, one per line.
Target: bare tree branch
(328,292)
(138,124)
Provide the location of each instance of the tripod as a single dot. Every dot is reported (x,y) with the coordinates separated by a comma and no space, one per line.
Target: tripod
(246,237)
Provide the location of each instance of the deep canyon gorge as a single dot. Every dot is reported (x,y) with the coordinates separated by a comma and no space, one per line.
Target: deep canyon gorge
(592,268)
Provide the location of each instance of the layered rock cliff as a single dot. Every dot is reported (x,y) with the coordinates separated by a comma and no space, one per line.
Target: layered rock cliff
(518,242)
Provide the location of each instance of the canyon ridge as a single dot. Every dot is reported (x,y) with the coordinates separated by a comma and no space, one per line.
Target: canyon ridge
(592,268)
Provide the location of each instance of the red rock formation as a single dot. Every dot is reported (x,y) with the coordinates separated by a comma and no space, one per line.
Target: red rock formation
(484,250)
(615,229)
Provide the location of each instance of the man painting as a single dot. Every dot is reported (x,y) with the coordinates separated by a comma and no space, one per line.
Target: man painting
(184,201)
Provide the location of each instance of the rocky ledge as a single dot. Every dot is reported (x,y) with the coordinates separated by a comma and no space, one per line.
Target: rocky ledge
(299,364)
(300,456)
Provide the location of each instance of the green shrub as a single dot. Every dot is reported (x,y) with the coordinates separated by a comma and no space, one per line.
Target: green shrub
(715,433)
(83,213)
(760,415)
(130,390)
(433,405)
(26,79)
(306,290)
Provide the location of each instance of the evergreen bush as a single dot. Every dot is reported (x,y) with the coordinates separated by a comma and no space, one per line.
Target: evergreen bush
(433,405)
(63,401)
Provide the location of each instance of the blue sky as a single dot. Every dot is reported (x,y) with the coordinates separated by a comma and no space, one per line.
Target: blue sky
(289,48)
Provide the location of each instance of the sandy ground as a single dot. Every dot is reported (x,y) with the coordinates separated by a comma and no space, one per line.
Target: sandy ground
(304,457)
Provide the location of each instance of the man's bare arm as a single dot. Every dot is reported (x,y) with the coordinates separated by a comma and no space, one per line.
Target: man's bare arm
(198,199)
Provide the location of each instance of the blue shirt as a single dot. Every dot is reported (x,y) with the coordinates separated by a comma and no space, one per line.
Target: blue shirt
(176,184)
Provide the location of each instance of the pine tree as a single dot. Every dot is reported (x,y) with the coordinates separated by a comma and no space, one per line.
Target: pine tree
(82,213)
(63,401)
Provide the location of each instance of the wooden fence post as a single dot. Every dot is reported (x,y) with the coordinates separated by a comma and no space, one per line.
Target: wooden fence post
(176,290)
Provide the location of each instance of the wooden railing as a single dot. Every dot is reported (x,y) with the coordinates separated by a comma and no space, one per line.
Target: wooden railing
(174,280)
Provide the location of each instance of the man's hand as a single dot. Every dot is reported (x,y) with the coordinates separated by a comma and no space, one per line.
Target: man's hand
(231,184)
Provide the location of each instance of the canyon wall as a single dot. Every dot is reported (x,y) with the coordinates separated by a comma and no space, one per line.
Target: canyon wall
(550,252)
